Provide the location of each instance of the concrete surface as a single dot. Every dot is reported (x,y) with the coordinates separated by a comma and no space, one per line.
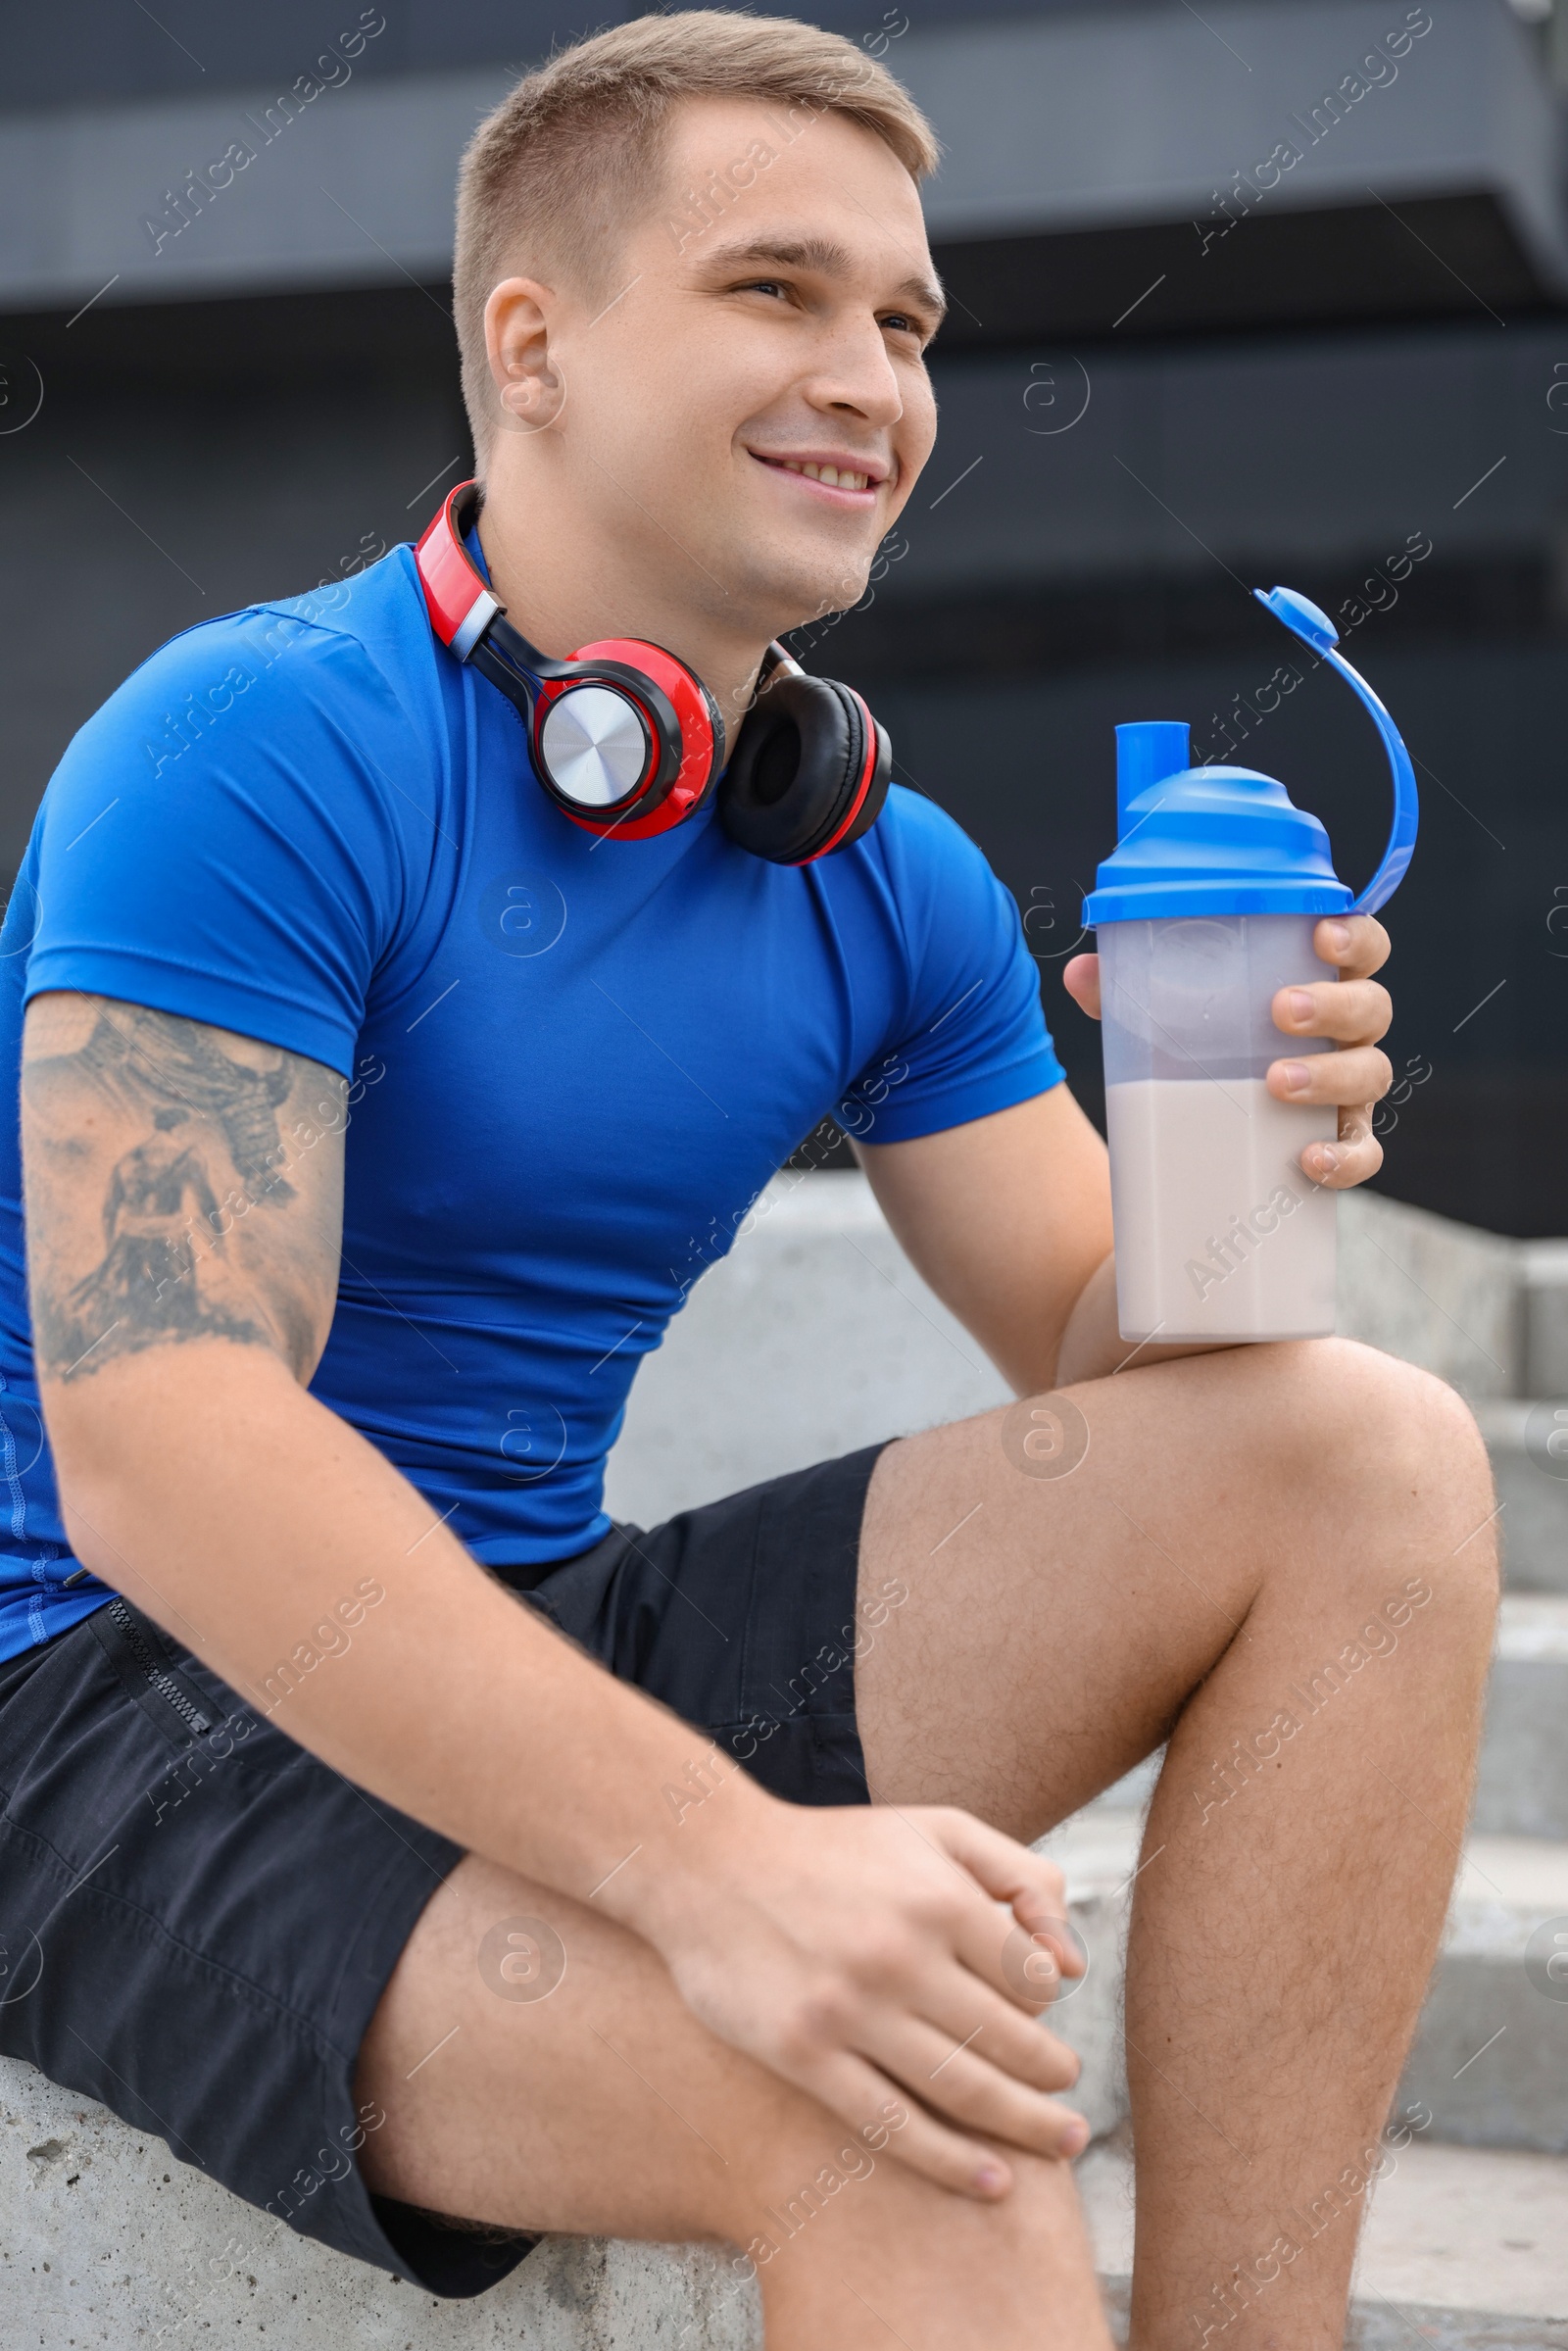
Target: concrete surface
(107,2239)
(1522,1785)
(1463,2249)
(1450,2229)
(1546,1300)
(1522,1789)
(1439,1293)
(1491,2054)
(813,1336)
(1394,2325)
(1533,1493)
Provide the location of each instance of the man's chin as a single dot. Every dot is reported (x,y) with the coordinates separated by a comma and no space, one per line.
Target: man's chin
(795,602)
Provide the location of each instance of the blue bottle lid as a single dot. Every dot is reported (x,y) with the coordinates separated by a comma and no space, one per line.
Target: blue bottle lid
(1197,841)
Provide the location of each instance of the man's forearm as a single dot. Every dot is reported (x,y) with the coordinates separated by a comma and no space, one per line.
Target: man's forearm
(206,1486)
(1092,1344)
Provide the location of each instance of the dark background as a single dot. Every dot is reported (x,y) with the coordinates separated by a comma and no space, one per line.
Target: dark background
(1326,394)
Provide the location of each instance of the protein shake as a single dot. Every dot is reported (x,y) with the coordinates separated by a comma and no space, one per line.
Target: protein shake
(1205,911)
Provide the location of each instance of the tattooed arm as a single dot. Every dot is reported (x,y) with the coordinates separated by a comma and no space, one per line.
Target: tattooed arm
(183,1183)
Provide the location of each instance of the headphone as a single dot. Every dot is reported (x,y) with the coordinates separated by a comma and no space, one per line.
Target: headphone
(625,739)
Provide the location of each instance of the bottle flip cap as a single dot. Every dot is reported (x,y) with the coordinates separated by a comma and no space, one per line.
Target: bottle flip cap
(1216,840)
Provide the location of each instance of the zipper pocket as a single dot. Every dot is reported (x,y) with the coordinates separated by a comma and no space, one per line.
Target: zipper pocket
(135,1658)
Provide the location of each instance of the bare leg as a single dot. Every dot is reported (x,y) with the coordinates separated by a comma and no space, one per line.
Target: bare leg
(1240,1522)
(605,2109)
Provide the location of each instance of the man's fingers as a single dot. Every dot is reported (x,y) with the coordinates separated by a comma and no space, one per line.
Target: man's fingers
(1081,979)
(1027,1964)
(972,2015)
(958,2081)
(1356,1155)
(861,2096)
(1351,1012)
(1008,1871)
(1355,944)
(1362,1074)
(1034,1891)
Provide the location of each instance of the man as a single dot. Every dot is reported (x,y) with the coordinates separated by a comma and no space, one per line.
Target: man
(331,1858)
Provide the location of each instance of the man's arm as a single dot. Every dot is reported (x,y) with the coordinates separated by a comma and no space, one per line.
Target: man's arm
(183,1207)
(1008,1217)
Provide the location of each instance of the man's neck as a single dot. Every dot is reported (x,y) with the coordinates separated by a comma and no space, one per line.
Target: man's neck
(563,591)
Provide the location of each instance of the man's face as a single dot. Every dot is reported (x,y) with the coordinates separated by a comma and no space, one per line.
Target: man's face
(781,327)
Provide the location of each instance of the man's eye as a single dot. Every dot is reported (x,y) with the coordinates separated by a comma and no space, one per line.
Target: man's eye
(762,285)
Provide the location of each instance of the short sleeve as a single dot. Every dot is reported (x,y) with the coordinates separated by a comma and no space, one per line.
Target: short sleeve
(222,842)
(971,1038)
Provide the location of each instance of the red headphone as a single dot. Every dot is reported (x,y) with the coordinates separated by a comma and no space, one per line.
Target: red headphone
(625,739)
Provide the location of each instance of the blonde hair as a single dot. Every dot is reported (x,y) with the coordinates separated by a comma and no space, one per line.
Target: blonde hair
(575,152)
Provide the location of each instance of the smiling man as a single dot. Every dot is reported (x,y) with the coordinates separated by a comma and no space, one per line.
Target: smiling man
(402,982)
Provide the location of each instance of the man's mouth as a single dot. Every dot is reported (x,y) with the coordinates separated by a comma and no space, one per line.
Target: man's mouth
(859,482)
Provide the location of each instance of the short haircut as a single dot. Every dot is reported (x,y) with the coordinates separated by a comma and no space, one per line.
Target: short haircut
(575,154)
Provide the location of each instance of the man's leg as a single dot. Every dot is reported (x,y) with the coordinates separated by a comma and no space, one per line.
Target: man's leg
(605,2109)
(1282,1557)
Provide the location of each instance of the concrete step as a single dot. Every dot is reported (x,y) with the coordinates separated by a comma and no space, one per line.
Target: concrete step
(108,2239)
(1439,1293)
(1395,2326)
(1544,1289)
(1523,1784)
(105,2238)
(1490,2055)
(1522,1787)
(1529,1448)
(1462,2247)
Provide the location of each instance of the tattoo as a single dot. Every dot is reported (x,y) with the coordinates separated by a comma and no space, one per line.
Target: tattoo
(201,1107)
(179,1060)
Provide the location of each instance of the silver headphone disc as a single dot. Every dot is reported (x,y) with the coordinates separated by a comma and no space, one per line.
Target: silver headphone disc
(595,745)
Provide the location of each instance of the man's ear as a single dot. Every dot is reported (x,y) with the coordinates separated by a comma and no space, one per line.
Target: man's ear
(530,390)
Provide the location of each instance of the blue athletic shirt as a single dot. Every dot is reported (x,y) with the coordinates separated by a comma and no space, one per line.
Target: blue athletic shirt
(575,1062)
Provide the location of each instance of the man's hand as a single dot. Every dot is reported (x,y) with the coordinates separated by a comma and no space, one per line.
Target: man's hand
(892,1964)
(1354,1010)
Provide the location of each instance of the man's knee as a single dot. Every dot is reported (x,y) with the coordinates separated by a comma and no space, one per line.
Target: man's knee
(1355,1411)
(1384,1453)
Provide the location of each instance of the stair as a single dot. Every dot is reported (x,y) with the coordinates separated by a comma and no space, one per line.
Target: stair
(1532,1486)
(1525,1428)
(1461,2250)
(1523,1784)
(1490,2058)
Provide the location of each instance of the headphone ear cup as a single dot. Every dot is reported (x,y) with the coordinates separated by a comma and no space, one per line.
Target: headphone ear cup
(877,791)
(800,770)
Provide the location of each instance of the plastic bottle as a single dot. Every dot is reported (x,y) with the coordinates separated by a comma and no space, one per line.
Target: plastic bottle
(1205,909)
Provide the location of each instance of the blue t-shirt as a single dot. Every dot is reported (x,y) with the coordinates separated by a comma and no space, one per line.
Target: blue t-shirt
(575,1061)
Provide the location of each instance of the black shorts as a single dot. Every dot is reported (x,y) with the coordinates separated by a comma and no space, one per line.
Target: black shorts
(198,1918)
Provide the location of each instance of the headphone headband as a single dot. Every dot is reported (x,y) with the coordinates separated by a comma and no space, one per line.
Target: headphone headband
(459,604)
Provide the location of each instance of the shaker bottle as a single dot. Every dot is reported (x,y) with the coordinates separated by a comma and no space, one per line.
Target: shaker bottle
(1207,907)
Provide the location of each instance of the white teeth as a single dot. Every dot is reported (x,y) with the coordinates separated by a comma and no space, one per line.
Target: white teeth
(836,477)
